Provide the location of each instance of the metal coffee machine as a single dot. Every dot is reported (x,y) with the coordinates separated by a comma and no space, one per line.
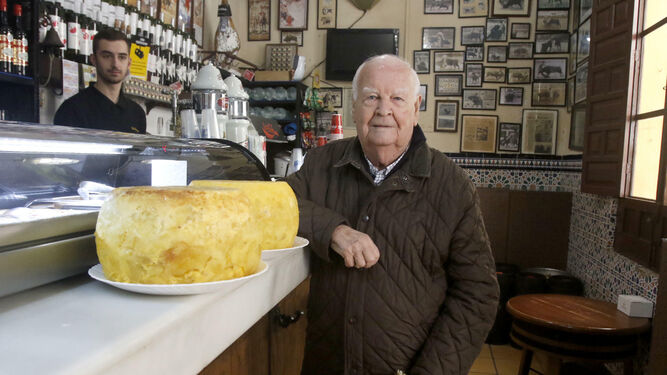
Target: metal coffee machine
(209,91)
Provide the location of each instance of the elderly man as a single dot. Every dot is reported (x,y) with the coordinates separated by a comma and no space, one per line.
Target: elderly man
(403,279)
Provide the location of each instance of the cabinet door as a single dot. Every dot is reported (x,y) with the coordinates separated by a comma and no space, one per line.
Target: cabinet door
(288,343)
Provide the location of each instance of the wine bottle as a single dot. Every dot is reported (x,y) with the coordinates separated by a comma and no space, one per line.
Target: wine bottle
(6,37)
(19,44)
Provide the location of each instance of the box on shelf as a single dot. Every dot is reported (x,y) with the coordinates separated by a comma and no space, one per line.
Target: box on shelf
(635,306)
(272,75)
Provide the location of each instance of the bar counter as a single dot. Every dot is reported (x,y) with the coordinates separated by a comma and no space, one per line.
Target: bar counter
(82,326)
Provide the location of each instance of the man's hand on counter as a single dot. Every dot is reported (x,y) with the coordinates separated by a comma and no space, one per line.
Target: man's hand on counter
(357,248)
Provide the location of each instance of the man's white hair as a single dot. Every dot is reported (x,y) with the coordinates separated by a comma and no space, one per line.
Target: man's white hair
(391,58)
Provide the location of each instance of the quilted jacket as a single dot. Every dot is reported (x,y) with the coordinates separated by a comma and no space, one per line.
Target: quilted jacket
(428,304)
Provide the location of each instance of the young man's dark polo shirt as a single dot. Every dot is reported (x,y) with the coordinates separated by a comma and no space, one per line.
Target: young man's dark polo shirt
(92,109)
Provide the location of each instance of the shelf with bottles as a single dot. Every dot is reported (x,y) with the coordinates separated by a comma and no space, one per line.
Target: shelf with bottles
(147,90)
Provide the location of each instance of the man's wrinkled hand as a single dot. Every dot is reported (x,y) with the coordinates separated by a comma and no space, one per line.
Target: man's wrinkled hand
(357,248)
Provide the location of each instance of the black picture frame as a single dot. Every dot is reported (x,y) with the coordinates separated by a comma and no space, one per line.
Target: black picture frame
(336,94)
(438,6)
(577,126)
(539,131)
(421,61)
(292,37)
(511,8)
(474,53)
(472,35)
(259,16)
(479,99)
(553,4)
(509,137)
(519,76)
(520,50)
(470,9)
(510,95)
(549,69)
(495,74)
(552,43)
(581,83)
(285,18)
(520,31)
(549,94)
(446,116)
(423,91)
(441,38)
(496,54)
(552,20)
(325,14)
(583,41)
(474,74)
(448,61)
(496,29)
(448,85)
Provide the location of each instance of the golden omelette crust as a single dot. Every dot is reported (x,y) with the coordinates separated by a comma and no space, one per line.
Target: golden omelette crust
(174,235)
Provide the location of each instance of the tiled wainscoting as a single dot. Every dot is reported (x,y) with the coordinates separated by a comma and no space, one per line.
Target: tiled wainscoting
(591,255)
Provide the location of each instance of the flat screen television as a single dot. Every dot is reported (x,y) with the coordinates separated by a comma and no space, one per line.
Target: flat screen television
(348,48)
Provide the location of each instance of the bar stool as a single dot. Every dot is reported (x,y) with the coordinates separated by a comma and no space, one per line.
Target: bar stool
(573,328)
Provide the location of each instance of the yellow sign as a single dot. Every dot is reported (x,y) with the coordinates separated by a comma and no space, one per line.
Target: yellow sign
(139,66)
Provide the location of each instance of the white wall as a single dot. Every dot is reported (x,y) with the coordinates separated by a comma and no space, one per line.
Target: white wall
(409,17)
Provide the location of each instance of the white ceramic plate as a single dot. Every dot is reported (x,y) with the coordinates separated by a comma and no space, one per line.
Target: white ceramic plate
(177,289)
(299,242)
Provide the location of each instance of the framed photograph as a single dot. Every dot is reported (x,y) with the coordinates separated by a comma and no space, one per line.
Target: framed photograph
(518,75)
(473,75)
(421,62)
(147,5)
(293,37)
(333,95)
(474,53)
(471,35)
(259,24)
(438,38)
(572,61)
(520,31)
(574,16)
(549,94)
(558,43)
(197,21)
(510,96)
(168,10)
(496,29)
(280,56)
(549,69)
(520,50)
(446,115)
(423,92)
(551,20)
(326,14)
(478,133)
(583,38)
(577,125)
(495,74)
(438,6)
(473,8)
(482,99)
(570,93)
(184,15)
(538,133)
(496,54)
(580,84)
(292,14)
(585,10)
(448,84)
(448,61)
(553,4)
(509,137)
(511,8)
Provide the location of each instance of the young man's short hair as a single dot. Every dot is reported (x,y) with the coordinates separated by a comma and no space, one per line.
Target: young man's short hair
(110,35)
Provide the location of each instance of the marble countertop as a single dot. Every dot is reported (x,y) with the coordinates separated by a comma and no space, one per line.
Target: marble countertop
(82,326)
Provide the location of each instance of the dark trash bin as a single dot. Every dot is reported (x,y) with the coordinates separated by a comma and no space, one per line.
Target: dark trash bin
(530,283)
(565,284)
(500,332)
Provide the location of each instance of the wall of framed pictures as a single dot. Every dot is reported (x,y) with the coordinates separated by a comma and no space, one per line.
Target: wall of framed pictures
(491,57)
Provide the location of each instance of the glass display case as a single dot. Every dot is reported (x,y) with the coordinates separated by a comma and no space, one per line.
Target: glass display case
(53,180)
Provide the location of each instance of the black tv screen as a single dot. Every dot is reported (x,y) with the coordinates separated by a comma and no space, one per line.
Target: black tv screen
(348,48)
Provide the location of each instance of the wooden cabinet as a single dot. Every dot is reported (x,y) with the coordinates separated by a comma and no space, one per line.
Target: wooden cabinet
(268,347)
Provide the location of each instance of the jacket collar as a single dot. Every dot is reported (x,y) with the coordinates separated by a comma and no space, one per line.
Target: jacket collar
(417,159)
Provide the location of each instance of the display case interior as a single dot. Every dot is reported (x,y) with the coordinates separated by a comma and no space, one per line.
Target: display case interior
(54,179)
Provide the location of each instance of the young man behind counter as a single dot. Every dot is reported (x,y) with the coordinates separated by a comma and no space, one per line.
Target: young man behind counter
(103,105)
